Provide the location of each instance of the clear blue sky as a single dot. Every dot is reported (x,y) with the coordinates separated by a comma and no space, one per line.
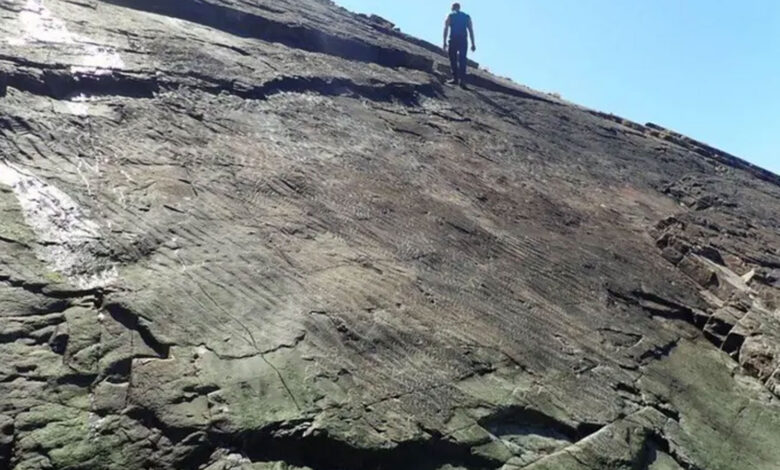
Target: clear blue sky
(709,69)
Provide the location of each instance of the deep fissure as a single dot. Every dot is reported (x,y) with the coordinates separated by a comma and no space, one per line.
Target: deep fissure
(659,307)
(63,85)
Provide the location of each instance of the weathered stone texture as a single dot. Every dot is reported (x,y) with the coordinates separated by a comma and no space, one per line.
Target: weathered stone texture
(264,235)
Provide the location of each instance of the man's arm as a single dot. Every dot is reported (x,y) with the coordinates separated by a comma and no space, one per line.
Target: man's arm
(446,30)
(471,33)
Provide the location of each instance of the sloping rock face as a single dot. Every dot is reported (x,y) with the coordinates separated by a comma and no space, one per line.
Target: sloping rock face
(263,235)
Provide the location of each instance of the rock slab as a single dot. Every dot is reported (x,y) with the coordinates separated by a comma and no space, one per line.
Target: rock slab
(265,235)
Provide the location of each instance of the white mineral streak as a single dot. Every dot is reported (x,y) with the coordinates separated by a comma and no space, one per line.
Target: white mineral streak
(40,26)
(79,108)
(66,235)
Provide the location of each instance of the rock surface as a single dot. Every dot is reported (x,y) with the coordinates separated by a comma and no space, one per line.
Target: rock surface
(263,235)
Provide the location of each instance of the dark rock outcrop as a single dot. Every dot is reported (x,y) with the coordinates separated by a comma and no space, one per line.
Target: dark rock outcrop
(263,234)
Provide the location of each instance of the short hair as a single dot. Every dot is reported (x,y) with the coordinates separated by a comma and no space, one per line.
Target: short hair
(456,6)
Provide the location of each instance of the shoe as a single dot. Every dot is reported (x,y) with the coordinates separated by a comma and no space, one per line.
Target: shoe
(463,86)
(453,81)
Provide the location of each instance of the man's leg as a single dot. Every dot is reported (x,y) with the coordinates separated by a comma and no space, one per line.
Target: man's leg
(463,49)
(454,59)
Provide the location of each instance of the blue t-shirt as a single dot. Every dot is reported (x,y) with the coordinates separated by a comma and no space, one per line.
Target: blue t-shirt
(459,24)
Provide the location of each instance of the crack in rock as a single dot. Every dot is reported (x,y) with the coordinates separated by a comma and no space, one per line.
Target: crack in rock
(658,306)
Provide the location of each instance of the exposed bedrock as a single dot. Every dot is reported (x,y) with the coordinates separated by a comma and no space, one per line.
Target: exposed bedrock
(267,235)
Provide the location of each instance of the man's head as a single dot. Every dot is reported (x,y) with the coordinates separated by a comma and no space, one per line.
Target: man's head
(456,7)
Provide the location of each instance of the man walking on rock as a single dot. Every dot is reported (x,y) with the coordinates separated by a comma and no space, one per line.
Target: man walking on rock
(457,25)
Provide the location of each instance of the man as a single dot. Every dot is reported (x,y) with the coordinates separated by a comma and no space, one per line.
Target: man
(457,25)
